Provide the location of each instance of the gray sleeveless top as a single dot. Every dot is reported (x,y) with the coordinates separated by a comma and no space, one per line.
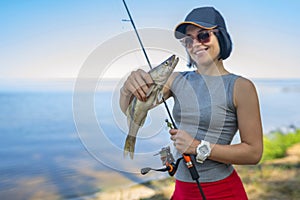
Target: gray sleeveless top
(203,106)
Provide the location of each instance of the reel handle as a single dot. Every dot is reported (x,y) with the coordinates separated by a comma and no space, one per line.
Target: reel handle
(190,165)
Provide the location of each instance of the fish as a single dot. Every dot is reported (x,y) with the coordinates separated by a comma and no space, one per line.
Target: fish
(137,110)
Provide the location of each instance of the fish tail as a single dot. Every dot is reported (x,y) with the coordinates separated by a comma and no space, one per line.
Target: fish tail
(129,146)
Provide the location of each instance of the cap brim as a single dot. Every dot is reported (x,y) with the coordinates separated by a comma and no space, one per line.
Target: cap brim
(180,28)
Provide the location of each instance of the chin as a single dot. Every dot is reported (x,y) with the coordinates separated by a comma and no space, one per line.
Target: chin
(204,63)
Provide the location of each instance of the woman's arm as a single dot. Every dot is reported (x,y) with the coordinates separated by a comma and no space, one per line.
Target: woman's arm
(249,151)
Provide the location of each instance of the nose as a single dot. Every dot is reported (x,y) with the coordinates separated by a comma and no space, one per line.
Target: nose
(196,42)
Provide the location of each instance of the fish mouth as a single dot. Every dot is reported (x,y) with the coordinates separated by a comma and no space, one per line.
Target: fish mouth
(174,61)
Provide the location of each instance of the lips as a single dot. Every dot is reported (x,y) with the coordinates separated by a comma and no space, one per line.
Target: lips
(200,51)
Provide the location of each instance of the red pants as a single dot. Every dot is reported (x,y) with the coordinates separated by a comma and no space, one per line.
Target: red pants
(230,188)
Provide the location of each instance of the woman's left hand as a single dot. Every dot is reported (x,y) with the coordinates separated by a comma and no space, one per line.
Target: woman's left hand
(183,141)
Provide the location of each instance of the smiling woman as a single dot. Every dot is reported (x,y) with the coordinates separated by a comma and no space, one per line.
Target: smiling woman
(47,39)
(208,104)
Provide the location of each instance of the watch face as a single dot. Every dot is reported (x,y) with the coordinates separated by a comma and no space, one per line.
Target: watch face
(203,150)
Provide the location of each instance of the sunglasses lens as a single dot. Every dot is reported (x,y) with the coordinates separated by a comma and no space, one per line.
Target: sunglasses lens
(203,37)
(187,42)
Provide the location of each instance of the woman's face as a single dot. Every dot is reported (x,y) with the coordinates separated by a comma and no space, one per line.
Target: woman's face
(205,53)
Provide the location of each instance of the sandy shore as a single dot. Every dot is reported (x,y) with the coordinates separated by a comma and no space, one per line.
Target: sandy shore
(161,189)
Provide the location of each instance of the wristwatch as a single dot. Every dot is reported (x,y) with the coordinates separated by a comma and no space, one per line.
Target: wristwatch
(203,151)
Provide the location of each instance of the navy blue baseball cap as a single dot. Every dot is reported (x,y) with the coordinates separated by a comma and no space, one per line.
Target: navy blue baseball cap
(207,18)
(204,17)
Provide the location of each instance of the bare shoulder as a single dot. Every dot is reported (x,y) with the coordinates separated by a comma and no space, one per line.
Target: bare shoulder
(244,89)
(167,87)
(172,78)
(244,83)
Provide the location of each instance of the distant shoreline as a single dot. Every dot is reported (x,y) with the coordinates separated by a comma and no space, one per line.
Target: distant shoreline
(67,84)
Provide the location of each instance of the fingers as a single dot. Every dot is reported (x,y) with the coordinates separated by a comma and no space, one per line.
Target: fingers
(173,131)
(138,84)
(183,141)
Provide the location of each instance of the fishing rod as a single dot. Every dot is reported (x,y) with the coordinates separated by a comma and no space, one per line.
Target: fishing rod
(170,167)
(147,58)
(137,34)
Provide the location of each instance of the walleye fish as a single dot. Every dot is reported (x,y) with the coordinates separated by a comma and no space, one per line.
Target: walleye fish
(137,110)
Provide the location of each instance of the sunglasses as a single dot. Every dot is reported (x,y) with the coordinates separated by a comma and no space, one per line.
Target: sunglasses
(202,37)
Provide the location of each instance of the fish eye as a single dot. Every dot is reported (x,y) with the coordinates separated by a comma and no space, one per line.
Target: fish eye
(166,63)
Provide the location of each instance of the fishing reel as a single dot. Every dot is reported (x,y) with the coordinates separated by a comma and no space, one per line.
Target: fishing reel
(167,160)
(171,166)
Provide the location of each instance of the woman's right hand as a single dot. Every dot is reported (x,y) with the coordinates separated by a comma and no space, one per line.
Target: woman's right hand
(138,83)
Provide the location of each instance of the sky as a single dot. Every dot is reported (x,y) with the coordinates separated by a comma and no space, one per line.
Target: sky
(45,39)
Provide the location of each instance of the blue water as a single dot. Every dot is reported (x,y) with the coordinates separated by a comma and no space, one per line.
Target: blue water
(279,102)
(44,151)
(39,145)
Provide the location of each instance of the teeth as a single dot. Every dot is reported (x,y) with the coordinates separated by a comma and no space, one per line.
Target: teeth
(200,51)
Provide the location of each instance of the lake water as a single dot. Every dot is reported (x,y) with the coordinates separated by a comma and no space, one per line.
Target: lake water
(53,145)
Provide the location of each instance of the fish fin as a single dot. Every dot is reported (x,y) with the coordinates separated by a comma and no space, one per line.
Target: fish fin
(160,96)
(150,90)
(158,99)
(130,109)
(129,146)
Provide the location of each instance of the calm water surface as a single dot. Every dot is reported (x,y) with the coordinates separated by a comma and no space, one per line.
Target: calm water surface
(42,154)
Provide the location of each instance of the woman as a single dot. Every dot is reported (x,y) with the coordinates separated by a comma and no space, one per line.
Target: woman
(210,105)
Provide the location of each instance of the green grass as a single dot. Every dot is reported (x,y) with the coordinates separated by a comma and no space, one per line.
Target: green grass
(276,144)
